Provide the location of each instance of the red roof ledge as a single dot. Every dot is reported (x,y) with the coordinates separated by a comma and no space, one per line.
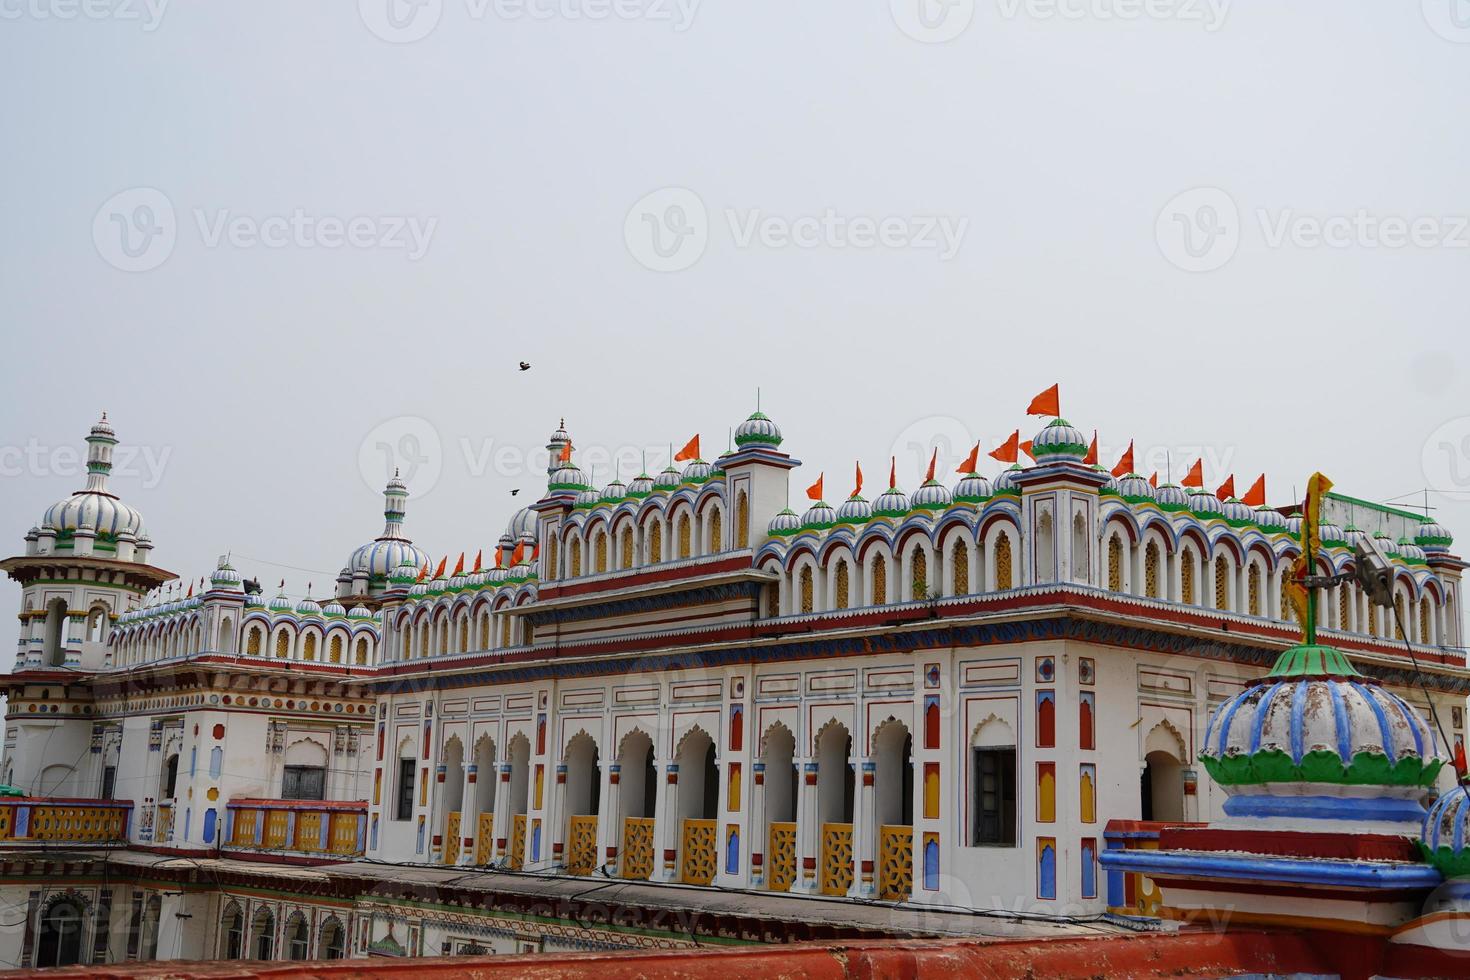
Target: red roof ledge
(24,567)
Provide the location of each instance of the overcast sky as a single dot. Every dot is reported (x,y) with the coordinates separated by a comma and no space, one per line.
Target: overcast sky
(271,241)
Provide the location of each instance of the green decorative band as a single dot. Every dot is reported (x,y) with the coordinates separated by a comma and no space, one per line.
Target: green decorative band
(1313,661)
(1320,766)
(1446,861)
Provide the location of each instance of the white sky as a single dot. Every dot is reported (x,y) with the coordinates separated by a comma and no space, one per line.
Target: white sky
(1052,144)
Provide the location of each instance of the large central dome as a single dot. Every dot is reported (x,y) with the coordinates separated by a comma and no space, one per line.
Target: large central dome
(370,565)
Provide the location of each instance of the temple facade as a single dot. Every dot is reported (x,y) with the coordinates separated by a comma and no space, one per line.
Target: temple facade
(737,715)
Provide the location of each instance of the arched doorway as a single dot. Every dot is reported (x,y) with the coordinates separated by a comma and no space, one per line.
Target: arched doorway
(262,935)
(835,784)
(699,793)
(486,783)
(583,797)
(54,651)
(232,933)
(333,940)
(298,937)
(779,778)
(1161,790)
(451,799)
(893,789)
(59,939)
(520,788)
(637,803)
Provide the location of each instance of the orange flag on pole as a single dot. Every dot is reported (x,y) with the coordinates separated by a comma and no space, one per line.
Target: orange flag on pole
(690,450)
(1227,489)
(566,453)
(459,566)
(1046,403)
(499,557)
(968,466)
(1196,475)
(933,459)
(1153,481)
(1006,453)
(892,472)
(857,478)
(439,572)
(1256,495)
(1026,448)
(1091,458)
(518,554)
(478,555)
(814,492)
(1125,462)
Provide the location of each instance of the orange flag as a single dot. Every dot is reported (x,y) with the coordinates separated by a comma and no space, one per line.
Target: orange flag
(518,554)
(892,472)
(459,566)
(1125,463)
(535,551)
(1256,495)
(423,573)
(1026,448)
(1007,452)
(191,591)
(933,458)
(1153,481)
(1196,475)
(968,466)
(478,555)
(566,453)
(814,492)
(499,557)
(1091,458)
(858,477)
(439,572)
(1227,489)
(690,451)
(1460,758)
(1046,403)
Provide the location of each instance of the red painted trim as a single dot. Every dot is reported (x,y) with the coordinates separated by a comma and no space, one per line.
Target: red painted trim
(1360,847)
(635,578)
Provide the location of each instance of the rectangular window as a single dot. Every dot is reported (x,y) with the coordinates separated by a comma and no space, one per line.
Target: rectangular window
(405,790)
(304,783)
(109,782)
(993,803)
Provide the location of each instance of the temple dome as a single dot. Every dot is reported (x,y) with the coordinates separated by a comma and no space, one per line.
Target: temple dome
(932,495)
(892,502)
(1444,838)
(1134,488)
(758,430)
(1205,504)
(1059,440)
(1171,496)
(819,515)
(785,522)
(854,510)
(973,488)
(1433,536)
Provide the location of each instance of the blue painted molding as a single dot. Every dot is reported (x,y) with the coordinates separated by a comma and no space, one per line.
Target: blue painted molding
(1296,871)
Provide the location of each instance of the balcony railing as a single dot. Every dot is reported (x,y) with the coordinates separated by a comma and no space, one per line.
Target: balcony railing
(782,856)
(1129,892)
(636,856)
(582,838)
(895,862)
(836,858)
(311,828)
(698,852)
(24,820)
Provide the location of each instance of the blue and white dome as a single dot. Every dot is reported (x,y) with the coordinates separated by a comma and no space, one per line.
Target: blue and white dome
(333,608)
(1134,488)
(819,515)
(1269,518)
(225,578)
(667,479)
(567,477)
(1386,544)
(1352,534)
(614,492)
(854,510)
(1204,504)
(1433,536)
(640,486)
(932,495)
(1294,526)
(280,603)
(892,502)
(1236,512)
(1060,440)
(1444,837)
(1171,496)
(1006,482)
(973,488)
(698,471)
(359,612)
(94,507)
(785,522)
(377,559)
(587,498)
(758,430)
(1409,551)
(1330,533)
(308,607)
(522,523)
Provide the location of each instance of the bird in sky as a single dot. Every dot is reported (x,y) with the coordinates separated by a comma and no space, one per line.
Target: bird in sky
(525,365)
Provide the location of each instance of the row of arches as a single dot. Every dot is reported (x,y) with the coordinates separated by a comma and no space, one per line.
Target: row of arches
(684,527)
(258,637)
(259,940)
(466,626)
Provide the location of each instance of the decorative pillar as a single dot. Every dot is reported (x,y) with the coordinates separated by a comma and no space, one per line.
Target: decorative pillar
(469,816)
(667,825)
(757,825)
(865,833)
(501,828)
(555,825)
(808,828)
(438,822)
(610,823)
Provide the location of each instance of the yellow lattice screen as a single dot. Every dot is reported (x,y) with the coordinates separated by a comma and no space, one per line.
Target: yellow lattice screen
(342,833)
(781,858)
(485,839)
(698,852)
(73,823)
(518,842)
(582,844)
(636,856)
(836,858)
(276,822)
(451,838)
(895,863)
(245,824)
(309,831)
(163,823)
(1003,577)
(1151,571)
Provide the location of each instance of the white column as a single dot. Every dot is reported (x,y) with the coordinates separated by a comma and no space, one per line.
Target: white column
(865,833)
(610,819)
(667,827)
(808,831)
(469,814)
(501,828)
(757,826)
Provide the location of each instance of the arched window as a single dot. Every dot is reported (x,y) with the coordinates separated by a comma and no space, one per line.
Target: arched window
(252,642)
(601,552)
(464,634)
(1344,606)
(576,552)
(1151,570)
(806,588)
(1372,618)
(504,630)
(1398,619)
(226,642)
(298,937)
(716,531)
(919,568)
(880,580)
(685,545)
(627,548)
(308,648)
(1254,584)
(553,569)
(152,911)
(1045,548)
(361,656)
(334,652)
(1186,576)
(60,939)
(1222,583)
(333,944)
(1003,575)
(232,933)
(262,935)
(1115,564)
(1288,612)
(1424,636)
(283,644)
(960,566)
(484,631)
(408,643)
(841,586)
(655,541)
(742,520)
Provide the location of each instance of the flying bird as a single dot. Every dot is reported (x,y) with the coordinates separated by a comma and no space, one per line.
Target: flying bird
(515,491)
(525,365)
